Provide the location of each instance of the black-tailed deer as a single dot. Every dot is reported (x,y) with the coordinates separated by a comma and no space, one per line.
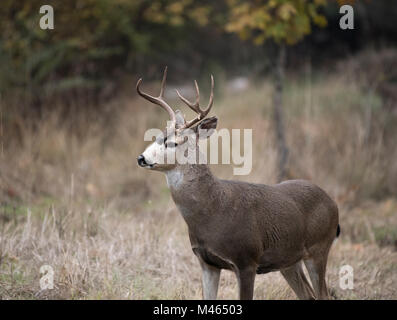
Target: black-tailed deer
(244,227)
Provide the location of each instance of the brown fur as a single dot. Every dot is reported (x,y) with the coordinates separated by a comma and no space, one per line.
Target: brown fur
(248,228)
(239,226)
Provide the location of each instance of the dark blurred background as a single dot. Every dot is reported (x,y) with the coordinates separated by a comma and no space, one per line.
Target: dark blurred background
(96,44)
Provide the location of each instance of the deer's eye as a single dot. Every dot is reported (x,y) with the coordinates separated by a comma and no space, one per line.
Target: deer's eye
(171,145)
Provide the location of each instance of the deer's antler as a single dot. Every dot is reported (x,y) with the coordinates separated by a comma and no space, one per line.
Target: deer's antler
(196,105)
(160,99)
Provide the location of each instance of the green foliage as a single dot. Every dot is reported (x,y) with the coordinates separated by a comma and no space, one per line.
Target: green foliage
(97,41)
(91,39)
(281,20)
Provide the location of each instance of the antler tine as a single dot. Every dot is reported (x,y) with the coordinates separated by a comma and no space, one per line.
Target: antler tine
(211,102)
(196,106)
(158,100)
(163,82)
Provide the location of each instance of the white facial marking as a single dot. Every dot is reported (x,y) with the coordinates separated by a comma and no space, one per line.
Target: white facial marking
(154,153)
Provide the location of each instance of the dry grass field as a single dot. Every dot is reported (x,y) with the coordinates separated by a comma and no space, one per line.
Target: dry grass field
(73,197)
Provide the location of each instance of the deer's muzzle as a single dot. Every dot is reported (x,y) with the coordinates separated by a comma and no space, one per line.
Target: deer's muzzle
(141,161)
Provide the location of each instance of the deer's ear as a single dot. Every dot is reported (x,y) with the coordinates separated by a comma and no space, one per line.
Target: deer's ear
(206,127)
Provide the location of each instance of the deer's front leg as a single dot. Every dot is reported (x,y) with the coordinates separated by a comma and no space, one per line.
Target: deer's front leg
(210,280)
(246,279)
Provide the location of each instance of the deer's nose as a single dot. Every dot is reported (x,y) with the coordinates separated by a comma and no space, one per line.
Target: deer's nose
(141,161)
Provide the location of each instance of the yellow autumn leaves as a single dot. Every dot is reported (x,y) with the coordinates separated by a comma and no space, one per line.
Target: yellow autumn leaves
(280,20)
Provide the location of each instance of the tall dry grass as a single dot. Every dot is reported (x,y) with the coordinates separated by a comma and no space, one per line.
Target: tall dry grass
(72,196)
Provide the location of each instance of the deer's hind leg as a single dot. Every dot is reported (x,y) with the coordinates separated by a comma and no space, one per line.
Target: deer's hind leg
(297,280)
(316,267)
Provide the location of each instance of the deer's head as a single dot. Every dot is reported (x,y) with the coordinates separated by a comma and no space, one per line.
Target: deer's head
(178,144)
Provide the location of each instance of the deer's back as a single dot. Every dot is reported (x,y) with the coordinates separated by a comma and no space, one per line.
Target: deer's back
(286,219)
(271,224)
(319,210)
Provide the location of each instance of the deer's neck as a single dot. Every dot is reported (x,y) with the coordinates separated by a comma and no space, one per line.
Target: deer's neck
(192,188)
(189,176)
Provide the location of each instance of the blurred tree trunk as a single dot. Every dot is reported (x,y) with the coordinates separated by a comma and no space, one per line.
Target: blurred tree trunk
(278,112)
